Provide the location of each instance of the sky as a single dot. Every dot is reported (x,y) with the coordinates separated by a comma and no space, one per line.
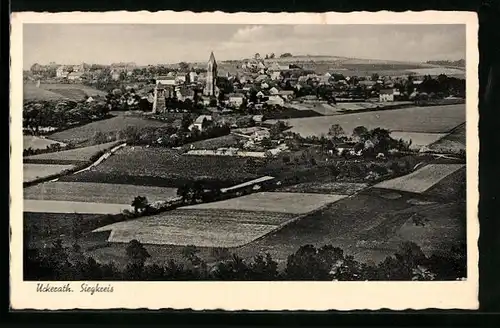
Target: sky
(166,43)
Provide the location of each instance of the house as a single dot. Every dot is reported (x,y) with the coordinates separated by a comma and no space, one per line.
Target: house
(303,78)
(201,122)
(276,100)
(193,77)
(258,118)
(61,72)
(387,95)
(283,67)
(115,75)
(236,99)
(274,91)
(185,93)
(260,135)
(180,79)
(287,94)
(260,94)
(261,78)
(166,80)
(264,85)
(75,76)
(276,75)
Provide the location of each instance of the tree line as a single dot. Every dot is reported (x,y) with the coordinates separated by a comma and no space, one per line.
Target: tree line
(309,262)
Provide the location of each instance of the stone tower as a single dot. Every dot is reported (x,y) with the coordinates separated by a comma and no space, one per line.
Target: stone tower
(210,87)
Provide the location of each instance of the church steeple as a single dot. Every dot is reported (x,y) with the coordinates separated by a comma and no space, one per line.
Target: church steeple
(210,88)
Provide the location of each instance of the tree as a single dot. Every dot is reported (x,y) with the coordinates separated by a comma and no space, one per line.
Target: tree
(184,67)
(271,56)
(187,120)
(375,77)
(336,131)
(257,56)
(285,55)
(360,132)
(137,253)
(140,203)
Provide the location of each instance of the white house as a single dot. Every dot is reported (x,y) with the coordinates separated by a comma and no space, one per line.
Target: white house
(61,72)
(264,85)
(236,99)
(74,76)
(387,95)
(274,91)
(166,80)
(276,100)
(193,76)
(276,75)
(201,122)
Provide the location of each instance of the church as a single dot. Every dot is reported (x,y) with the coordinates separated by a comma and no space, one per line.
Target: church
(162,90)
(211,89)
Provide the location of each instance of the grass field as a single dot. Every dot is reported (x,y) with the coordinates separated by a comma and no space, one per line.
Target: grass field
(436,119)
(72,91)
(215,143)
(281,202)
(338,188)
(451,143)
(165,168)
(108,126)
(72,156)
(418,139)
(56,206)
(35,171)
(422,179)
(31,92)
(97,192)
(210,228)
(34,142)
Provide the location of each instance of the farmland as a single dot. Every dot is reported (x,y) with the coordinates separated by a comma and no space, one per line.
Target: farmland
(55,206)
(97,192)
(34,142)
(422,179)
(451,143)
(108,126)
(34,171)
(72,156)
(59,91)
(436,119)
(165,168)
(281,202)
(215,143)
(214,228)
(418,139)
(339,188)
(31,92)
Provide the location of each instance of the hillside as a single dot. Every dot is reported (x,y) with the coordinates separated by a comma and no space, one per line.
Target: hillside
(59,91)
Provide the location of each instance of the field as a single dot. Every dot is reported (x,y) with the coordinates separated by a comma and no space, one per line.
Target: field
(31,92)
(281,202)
(418,139)
(435,71)
(34,171)
(56,206)
(108,126)
(164,168)
(34,142)
(72,90)
(72,156)
(215,143)
(421,180)
(436,119)
(366,226)
(97,192)
(451,143)
(212,228)
(338,188)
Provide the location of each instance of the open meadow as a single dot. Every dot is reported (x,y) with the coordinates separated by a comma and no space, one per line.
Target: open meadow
(35,171)
(453,142)
(72,156)
(435,119)
(281,202)
(59,206)
(422,179)
(97,192)
(35,142)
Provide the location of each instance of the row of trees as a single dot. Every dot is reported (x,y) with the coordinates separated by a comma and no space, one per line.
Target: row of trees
(325,263)
(61,114)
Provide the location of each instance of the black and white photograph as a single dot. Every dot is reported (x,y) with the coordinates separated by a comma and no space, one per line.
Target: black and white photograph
(244,152)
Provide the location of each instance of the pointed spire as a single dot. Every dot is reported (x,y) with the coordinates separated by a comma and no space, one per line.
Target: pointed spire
(212,58)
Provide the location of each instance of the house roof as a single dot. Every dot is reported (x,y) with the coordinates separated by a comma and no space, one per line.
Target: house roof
(387,91)
(261,77)
(202,118)
(286,92)
(236,95)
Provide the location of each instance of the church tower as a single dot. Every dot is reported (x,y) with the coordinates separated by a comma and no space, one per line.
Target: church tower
(211,87)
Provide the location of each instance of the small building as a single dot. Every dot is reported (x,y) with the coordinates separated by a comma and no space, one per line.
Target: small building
(75,76)
(166,80)
(276,75)
(258,118)
(287,94)
(260,135)
(274,91)
(275,100)
(236,99)
(61,72)
(201,122)
(387,95)
(264,85)
(261,78)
